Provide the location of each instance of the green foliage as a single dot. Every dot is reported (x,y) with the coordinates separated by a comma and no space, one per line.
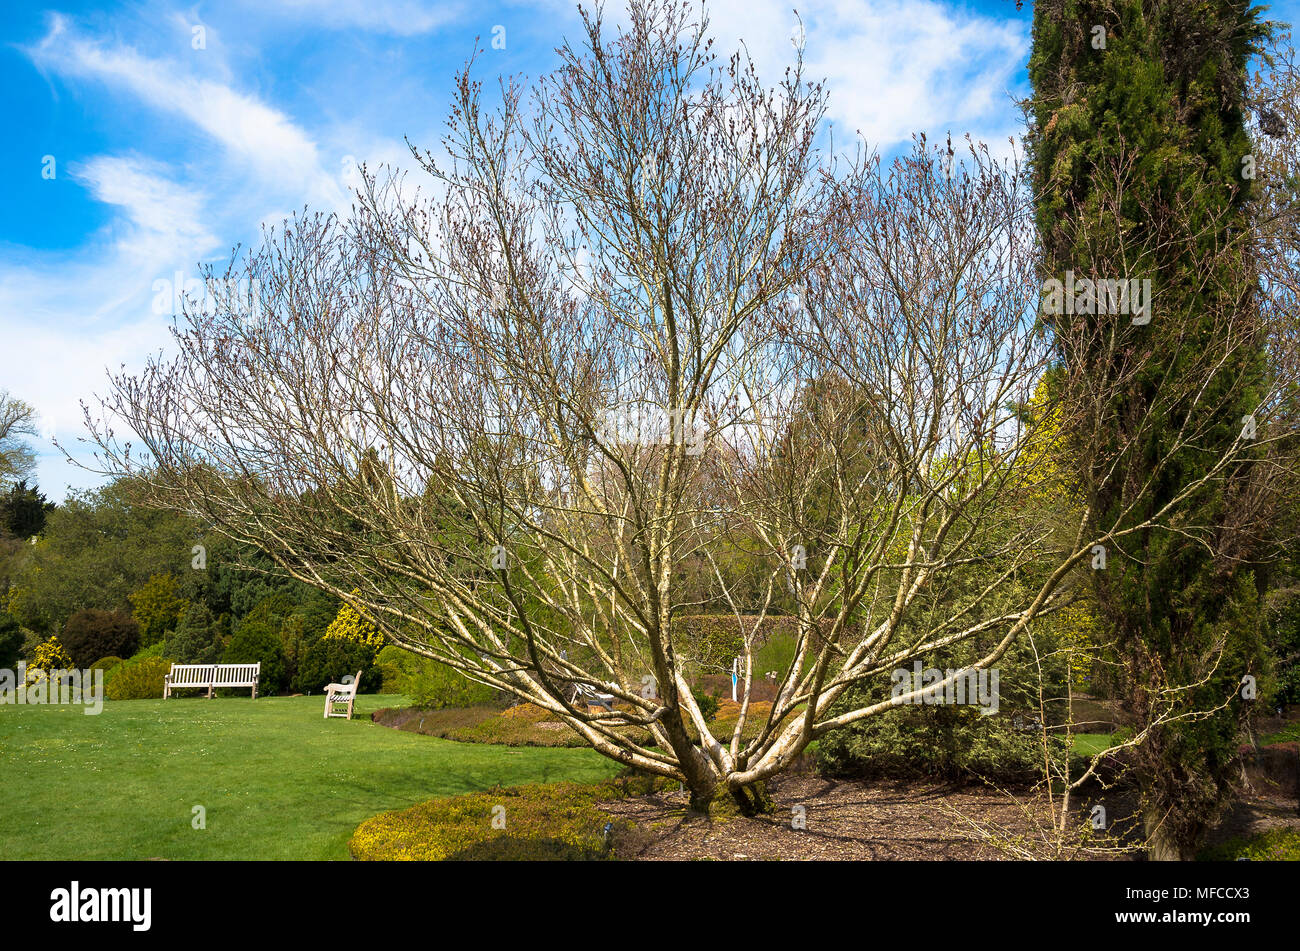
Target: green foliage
(158,607)
(556,821)
(708,705)
(949,743)
(23,511)
(1136,154)
(153,650)
(1275,845)
(109,666)
(429,684)
(256,643)
(141,679)
(97,548)
(198,639)
(331,659)
(1282,620)
(91,634)
(958,742)
(11,641)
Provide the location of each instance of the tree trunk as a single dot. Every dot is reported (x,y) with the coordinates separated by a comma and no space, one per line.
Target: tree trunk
(720,801)
(1162,844)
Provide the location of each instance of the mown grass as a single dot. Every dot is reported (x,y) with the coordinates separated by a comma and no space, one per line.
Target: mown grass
(277,780)
(1090,744)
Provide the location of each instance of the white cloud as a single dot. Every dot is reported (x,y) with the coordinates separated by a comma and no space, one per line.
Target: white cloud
(163,213)
(892,67)
(260,136)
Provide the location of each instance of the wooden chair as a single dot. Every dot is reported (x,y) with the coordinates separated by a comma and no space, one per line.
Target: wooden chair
(592,697)
(345,694)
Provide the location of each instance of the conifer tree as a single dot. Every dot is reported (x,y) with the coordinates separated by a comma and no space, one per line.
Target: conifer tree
(1142,168)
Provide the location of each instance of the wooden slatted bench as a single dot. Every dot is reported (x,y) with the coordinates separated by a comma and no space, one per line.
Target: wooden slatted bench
(211,676)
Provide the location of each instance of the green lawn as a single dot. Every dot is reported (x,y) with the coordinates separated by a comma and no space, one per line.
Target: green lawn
(1090,744)
(276,779)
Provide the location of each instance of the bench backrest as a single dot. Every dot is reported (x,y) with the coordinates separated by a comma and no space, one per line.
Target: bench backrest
(236,675)
(192,675)
(215,675)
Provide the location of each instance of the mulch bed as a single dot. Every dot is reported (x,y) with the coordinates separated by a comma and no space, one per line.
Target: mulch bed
(851,820)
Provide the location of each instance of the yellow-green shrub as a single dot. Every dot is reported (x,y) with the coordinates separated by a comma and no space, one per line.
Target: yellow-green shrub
(49,655)
(141,680)
(555,821)
(351,625)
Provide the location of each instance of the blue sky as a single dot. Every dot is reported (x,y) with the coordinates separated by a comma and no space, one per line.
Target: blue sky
(142,140)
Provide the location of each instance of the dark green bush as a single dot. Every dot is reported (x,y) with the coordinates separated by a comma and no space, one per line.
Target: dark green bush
(11,641)
(198,638)
(708,705)
(331,659)
(91,633)
(937,742)
(256,643)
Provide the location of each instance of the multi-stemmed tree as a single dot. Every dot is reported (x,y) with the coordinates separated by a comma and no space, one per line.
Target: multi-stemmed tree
(638,324)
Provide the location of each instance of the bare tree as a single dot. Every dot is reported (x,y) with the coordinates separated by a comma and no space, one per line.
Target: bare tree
(639,321)
(17,419)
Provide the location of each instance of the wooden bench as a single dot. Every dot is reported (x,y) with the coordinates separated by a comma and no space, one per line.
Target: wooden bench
(211,676)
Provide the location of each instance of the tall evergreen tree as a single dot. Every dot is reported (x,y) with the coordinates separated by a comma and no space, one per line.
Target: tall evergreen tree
(1141,162)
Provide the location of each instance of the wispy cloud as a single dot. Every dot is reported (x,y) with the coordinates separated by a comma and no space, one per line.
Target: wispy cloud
(893,67)
(263,138)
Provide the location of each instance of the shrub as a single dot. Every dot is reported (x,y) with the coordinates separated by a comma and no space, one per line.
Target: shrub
(108,665)
(708,705)
(198,638)
(153,650)
(91,633)
(429,684)
(554,821)
(139,680)
(331,659)
(350,625)
(48,655)
(256,643)
(936,742)
(11,641)
(157,607)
